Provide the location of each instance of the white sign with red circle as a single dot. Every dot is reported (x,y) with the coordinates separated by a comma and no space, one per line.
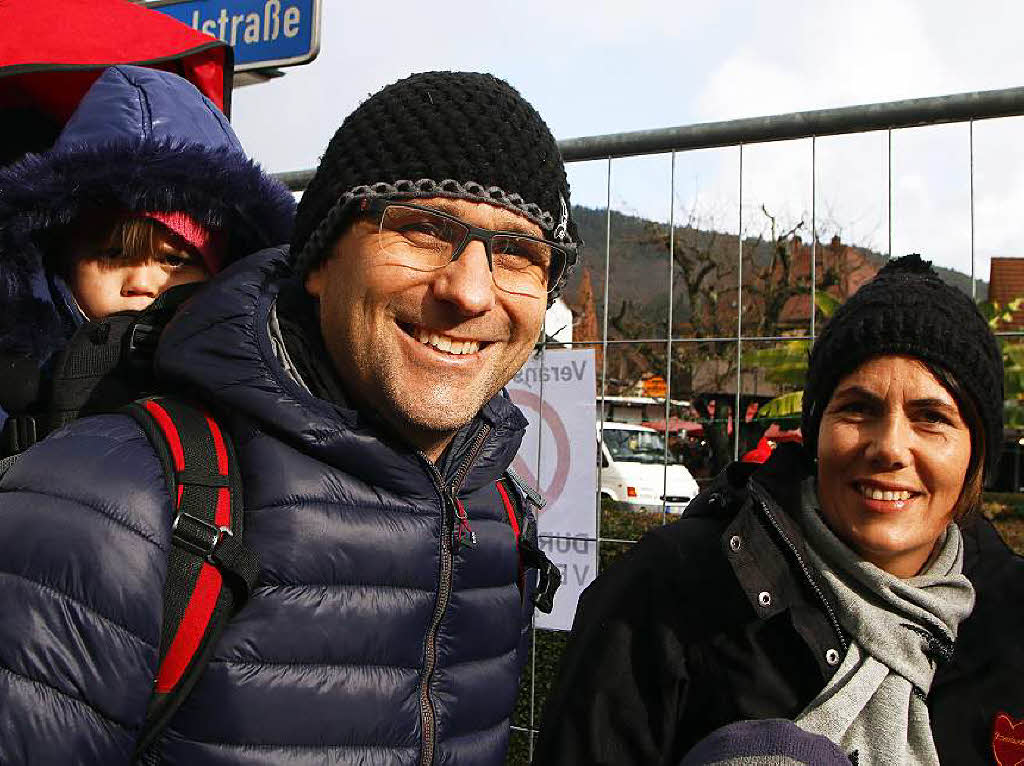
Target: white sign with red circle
(558,457)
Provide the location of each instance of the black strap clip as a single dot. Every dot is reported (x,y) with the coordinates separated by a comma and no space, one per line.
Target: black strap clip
(19,433)
(142,340)
(217,545)
(550,577)
(197,536)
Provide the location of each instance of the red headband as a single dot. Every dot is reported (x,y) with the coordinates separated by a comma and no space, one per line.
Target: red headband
(209,243)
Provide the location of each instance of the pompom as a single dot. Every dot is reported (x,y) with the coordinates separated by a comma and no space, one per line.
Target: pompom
(911,264)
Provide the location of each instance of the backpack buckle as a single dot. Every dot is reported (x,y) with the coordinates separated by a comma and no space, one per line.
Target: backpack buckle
(549,575)
(19,433)
(142,339)
(197,536)
(549,581)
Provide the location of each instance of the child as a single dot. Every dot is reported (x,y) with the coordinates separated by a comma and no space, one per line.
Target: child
(147,187)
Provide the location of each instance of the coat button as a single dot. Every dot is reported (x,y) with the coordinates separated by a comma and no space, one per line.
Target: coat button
(735,543)
(764,598)
(832,657)
(715,499)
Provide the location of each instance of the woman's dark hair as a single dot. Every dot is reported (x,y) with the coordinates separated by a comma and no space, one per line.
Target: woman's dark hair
(970,494)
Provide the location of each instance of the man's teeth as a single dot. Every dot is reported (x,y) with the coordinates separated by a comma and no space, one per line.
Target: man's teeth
(878,494)
(446,344)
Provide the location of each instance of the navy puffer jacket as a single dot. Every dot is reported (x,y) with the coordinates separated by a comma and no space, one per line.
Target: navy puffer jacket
(367,641)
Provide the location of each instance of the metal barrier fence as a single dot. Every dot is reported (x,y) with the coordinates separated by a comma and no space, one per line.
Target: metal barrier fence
(736,136)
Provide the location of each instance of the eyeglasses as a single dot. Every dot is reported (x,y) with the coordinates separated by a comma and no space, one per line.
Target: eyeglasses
(425,239)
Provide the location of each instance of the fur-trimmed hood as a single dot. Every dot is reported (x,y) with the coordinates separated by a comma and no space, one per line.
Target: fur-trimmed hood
(141,139)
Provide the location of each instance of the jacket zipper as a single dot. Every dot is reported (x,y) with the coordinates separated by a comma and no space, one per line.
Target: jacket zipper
(450,525)
(461,519)
(830,613)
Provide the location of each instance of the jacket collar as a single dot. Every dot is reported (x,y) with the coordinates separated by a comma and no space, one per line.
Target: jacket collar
(765,548)
(780,477)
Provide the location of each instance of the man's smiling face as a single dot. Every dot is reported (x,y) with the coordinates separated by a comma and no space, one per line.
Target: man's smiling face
(424,349)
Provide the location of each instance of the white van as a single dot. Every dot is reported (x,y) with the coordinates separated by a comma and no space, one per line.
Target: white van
(633,469)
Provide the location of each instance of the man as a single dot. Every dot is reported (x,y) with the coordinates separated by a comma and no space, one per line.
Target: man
(360,379)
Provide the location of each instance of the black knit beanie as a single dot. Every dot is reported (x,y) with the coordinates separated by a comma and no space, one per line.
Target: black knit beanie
(438,134)
(908,309)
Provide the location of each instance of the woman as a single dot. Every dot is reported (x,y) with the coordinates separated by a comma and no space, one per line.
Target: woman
(848,585)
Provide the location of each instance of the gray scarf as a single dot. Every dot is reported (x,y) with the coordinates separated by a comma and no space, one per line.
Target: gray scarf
(875,703)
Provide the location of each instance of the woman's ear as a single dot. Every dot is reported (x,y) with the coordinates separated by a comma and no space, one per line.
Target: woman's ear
(315,281)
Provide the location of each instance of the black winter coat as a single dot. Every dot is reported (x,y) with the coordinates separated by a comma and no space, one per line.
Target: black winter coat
(368,639)
(719,617)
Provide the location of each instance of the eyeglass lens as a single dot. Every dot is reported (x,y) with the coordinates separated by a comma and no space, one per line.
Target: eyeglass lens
(426,241)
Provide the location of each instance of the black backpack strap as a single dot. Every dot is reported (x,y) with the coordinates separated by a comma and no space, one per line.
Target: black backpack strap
(210,571)
(19,396)
(104,366)
(516,494)
(87,374)
(109,363)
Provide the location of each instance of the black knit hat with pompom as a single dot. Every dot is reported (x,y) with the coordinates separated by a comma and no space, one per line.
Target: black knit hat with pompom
(908,309)
(438,134)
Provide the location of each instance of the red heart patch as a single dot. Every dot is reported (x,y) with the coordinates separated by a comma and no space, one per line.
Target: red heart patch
(1008,741)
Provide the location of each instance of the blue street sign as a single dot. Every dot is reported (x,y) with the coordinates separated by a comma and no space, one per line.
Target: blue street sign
(264,33)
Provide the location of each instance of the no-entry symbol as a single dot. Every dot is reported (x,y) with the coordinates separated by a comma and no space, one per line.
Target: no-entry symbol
(547,420)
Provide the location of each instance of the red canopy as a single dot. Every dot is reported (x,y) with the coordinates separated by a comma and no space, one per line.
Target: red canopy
(674,425)
(51,51)
(776,434)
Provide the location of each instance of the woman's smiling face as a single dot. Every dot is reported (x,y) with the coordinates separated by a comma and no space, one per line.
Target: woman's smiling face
(893,452)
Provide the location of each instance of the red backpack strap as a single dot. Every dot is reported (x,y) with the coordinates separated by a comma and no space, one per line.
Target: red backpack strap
(510,509)
(210,571)
(516,496)
(513,520)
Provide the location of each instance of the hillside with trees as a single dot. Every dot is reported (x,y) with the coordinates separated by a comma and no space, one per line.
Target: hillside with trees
(705,304)
(705,265)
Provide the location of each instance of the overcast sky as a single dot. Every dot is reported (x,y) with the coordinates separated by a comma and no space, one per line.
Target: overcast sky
(606,66)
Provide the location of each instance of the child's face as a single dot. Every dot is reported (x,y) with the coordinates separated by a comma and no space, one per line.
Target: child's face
(107,281)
